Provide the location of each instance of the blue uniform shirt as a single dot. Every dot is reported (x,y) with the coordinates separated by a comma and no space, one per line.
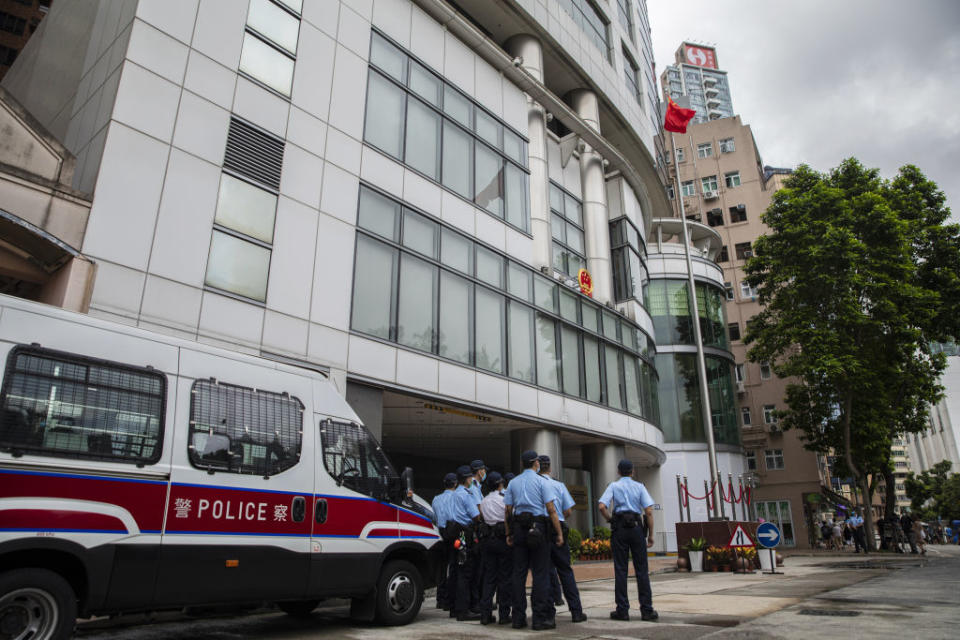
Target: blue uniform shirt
(562,499)
(854,521)
(441,507)
(627,495)
(475,491)
(463,509)
(529,493)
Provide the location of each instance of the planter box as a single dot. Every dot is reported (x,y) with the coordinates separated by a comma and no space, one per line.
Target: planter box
(696,561)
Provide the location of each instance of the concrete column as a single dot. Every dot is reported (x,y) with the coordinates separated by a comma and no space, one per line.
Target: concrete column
(543,441)
(596,227)
(601,461)
(527,49)
(368,403)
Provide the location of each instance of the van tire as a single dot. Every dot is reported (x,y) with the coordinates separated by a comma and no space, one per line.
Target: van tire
(298,608)
(41,599)
(399,593)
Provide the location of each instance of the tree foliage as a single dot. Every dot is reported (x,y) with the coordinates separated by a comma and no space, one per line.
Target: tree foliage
(935,492)
(856,277)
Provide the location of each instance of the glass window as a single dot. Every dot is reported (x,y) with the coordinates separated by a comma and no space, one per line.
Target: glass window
(569,352)
(751,460)
(238,266)
(521,342)
(246,208)
(609,325)
(423,138)
(625,17)
(632,385)
(416,303)
(630,72)
(548,362)
(572,209)
(568,305)
(727,145)
(240,430)
(420,234)
(487,128)
(425,84)
(513,146)
(704,150)
(516,196)
(489,311)
(456,106)
(770,414)
(273,22)
(687,188)
(456,312)
(680,156)
(765,372)
(489,267)
(383,126)
(457,251)
(379,214)
(457,160)
(745,415)
(612,366)
(489,174)
(353,456)
(590,317)
(388,58)
(545,293)
(732,179)
(520,282)
(261,61)
(773,459)
(709,183)
(61,405)
(374,275)
(734,330)
(591,367)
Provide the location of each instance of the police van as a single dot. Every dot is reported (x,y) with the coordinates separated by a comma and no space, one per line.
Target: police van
(142,472)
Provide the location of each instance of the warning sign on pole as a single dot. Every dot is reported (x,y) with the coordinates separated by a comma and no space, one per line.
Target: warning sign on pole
(740,539)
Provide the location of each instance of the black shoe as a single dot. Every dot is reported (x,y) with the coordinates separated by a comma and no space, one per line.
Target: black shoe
(616,615)
(487,618)
(468,617)
(650,616)
(580,617)
(544,626)
(558,602)
(519,624)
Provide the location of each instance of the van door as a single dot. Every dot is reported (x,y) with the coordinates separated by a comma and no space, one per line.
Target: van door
(240,508)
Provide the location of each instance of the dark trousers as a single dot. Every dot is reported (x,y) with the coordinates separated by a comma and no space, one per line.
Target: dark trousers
(560,559)
(460,581)
(476,579)
(497,576)
(444,571)
(626,542)
(538,562)
(858,539)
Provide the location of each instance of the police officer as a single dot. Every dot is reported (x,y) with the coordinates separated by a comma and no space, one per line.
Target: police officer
(466,515)
(627,505)
(476,490)
(479,475)
(441,511)
(495,555)
(532,526)
(560,555)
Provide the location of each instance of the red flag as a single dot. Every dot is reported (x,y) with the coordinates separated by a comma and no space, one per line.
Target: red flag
(677,117)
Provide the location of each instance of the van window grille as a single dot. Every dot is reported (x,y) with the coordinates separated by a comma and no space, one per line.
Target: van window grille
(241,430)
(352,456)
(65,405)
(254,153)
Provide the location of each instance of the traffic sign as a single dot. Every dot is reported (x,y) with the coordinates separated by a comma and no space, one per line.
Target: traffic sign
(768,534)
(740,539)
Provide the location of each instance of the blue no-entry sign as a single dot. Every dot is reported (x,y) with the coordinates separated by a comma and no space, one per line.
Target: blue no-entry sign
(768,534)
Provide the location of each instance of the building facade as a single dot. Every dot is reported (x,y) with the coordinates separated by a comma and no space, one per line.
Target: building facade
(18,20)
(697,76)
(941,440)
(399,193)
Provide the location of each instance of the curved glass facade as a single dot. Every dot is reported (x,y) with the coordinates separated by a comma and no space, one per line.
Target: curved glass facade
(669,306)
(681,412)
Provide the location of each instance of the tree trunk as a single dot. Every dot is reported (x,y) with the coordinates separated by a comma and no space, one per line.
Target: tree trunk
(868,538)
(891,493)
(861,480)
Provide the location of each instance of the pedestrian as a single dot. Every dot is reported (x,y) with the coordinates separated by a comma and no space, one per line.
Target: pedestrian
(441,511)
(476,490)
(919,535)
(466,515)
(856,524)
(837,535)
(627,505)
(495,555)
(906,524)
(530,515)
(560,555)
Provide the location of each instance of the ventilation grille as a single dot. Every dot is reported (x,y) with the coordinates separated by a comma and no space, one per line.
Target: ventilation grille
(253,153)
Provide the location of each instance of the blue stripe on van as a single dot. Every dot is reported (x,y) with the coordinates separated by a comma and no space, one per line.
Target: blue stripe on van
(51,474)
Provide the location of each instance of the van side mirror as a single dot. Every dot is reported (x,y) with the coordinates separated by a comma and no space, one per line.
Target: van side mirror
(406,481)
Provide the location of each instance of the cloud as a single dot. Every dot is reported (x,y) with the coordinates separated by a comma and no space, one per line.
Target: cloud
(821,81)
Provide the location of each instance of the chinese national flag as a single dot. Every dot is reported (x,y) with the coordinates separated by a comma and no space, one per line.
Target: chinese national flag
(677,117)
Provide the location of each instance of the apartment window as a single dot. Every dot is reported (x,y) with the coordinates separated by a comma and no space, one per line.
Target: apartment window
(12,24)
(738,213)
(734,330)
(630,275)
(412,115)
(7,56)
(566,227)
(727,146)
(728,288)
(900,465)
(688,188)
(709,183)
(773,459)
(765,371)
(738,373)
(591,21)
(751,460)
(743,250)
(704,150)
(746,291)
(625,17)
(770,414)
(679,154)
(270,43)
(732,179)
(630,71)
(670,192)
(745,415)
(715,217)
(723,256)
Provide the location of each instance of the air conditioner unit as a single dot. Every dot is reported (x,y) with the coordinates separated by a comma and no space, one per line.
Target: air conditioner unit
(741,388)
(775,428)
(709,195)
(695,216)
(748,253)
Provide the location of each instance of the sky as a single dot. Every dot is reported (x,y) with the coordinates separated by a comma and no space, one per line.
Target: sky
(819,81)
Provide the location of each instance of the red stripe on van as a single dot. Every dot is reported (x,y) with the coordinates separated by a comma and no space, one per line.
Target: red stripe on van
(56,520)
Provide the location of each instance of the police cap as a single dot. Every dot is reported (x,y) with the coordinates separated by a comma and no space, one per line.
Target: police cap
(476,465)
(544,459)
(494,478)
(450,480)
(464,472)
(528,456)
(507,477)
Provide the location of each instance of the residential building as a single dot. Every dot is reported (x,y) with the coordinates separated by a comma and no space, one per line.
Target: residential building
(697,76)
(941,440)
(18,20)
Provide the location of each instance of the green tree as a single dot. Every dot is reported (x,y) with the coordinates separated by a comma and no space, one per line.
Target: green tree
(925,488)
(857,275)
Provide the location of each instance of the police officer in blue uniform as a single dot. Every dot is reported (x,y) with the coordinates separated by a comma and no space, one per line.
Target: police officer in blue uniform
(479,475)
(560,555)
(532,527)
(476,490)
(466,514)
(495,555)
(627,505)
(441,511)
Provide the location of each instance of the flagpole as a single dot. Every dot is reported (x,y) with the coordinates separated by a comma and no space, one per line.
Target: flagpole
(698,339)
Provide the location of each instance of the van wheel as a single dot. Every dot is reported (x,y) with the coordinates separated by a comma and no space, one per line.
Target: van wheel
(298,608)
(399,593)
(36,604)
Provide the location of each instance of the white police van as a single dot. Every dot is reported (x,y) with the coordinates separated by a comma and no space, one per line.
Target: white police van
(142,472)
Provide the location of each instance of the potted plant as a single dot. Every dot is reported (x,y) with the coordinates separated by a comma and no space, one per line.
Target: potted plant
(717,556)
(695,548)
(747,559)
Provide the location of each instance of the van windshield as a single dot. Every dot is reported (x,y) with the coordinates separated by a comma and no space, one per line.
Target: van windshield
(353,457)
